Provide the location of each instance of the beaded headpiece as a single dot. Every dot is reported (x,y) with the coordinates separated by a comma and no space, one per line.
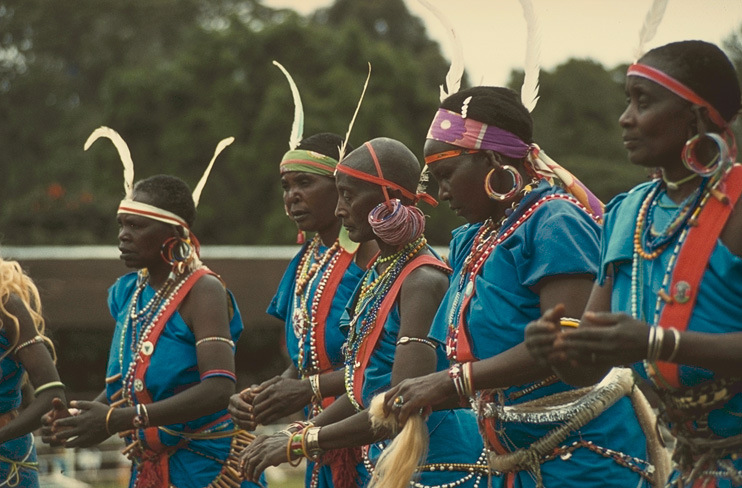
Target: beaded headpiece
(128,205)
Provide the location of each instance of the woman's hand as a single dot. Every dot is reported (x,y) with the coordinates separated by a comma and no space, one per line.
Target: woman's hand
(241,409)
(58,411)
(263,452)
(603,338)
(86,428)
(279,397)
(541,336)
(418,394)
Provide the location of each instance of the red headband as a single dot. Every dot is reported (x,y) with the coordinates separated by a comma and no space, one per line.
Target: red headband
(677,88)
(383,183)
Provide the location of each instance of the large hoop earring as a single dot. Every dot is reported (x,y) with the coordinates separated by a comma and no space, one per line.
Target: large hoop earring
(177,252)
(517,184)
(690,159)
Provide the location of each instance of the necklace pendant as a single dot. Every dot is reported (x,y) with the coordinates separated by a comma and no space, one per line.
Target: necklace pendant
(147,348)
(682,292)
(297,321)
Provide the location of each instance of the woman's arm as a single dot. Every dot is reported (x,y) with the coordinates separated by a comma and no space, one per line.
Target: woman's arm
(42,373)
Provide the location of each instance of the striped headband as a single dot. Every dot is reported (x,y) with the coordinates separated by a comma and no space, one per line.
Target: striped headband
(151,212)
(308,162)
(678,88)
(381,181)
(452,128)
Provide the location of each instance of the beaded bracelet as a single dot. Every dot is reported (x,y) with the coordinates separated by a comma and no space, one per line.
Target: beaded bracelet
(407,340)
(294,447)
(454,372)
(215,339)
(34,340)
(314,383)
(46,386)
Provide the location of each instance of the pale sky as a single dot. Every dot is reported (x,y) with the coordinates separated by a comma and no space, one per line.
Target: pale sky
(493,32)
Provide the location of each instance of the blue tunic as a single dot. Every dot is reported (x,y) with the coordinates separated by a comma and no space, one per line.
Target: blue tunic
(557,239)
(454,436)
(20,449)
(282,307)
(718,306)
(173,368)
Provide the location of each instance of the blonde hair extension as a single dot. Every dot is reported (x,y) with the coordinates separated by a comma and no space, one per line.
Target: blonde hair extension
(13,281)
(399,461)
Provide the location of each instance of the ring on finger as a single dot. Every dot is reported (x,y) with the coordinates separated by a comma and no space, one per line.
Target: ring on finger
(399,401)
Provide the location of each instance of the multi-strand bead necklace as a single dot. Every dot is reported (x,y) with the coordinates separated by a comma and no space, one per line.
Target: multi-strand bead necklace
(489,236)
(367,304)
(304,318)
(139,324)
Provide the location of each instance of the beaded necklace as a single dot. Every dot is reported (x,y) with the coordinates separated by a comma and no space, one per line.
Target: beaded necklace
(487,239)
(304,319)
(367,304)
(638,256)
(648,242)
(138,326)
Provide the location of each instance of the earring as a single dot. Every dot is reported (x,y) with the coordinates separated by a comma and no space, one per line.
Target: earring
(177,252)
(690,158)
(517,184)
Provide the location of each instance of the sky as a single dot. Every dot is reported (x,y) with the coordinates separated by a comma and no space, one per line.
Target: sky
(493,32)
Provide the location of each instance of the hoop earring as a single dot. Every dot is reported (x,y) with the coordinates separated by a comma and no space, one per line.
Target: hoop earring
(691,161)
(177,252)
(517,184)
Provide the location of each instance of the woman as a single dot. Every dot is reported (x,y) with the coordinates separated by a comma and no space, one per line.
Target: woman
(526,248)
(24,351)
(671,265)
(171,366)
(310,298)
(389,313)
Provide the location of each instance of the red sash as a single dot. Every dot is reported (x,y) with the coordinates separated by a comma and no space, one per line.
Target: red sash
(153,470)
(366,348)
(692,262)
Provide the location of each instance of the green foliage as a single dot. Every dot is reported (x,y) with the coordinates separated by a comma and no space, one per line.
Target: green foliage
(176,76)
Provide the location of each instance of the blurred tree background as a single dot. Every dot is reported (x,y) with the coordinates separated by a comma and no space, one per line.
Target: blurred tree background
(176,76)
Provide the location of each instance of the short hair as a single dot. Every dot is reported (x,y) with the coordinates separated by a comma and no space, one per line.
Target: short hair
(494,105)
(169,193)
(325,143)
(398,163)
(702,67)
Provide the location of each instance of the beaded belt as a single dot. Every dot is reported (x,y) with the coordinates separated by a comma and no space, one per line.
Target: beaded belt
(573,409)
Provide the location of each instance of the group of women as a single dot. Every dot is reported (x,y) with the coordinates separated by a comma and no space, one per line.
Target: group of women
(517,360)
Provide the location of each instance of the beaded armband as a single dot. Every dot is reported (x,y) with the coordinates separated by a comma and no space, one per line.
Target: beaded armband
(407,340)
(34,340)
(294,448)
(219,372)
(215,339)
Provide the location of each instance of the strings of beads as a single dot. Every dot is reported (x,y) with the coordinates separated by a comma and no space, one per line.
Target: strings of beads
(367,303)
(395,223)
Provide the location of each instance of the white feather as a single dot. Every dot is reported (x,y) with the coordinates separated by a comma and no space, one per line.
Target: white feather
(456,71)
(199,188)
(651,23)
(123,151)
(352,121)
(532,65)
(297,129)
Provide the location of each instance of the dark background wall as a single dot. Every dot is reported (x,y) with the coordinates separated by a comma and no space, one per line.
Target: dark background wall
(74,290)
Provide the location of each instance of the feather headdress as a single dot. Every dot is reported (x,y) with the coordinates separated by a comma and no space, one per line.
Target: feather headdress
(126,160)
(651,22)
(344,145)
(456,71)
(297,128)
(532,64)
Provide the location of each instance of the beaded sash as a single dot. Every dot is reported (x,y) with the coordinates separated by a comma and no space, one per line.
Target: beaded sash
(573,409)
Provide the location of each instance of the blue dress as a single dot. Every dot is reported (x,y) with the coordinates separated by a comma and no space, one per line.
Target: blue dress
(21,449)
(454,438)
(557,239)
(283,306)
(717,309)
(191,463)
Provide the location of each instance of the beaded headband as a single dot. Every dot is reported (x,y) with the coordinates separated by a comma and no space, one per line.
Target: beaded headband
(128,205)
(678,88)
(381,181)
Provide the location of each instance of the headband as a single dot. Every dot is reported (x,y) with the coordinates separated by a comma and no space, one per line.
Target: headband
(150,211)
(678,88)
(453,128)
(308,162)
(381,181)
